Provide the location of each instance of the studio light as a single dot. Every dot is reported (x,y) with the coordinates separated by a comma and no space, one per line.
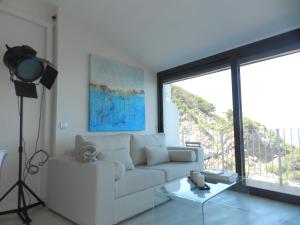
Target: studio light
(26,72)
(25,68)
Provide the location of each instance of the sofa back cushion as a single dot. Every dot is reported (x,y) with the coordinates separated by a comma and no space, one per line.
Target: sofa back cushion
(108,146)
(140,141)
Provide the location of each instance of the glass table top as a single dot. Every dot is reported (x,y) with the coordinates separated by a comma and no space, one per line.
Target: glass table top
(185,189)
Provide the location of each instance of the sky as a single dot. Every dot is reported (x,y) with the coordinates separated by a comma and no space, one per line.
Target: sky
(270,91)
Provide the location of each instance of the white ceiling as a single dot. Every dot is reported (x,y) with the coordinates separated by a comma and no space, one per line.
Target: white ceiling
(165,33)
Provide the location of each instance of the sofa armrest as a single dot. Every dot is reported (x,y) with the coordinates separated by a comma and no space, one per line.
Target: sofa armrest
(82,192)
(198,151)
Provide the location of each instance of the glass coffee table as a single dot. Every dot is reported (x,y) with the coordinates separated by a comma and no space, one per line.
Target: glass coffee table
(181,202)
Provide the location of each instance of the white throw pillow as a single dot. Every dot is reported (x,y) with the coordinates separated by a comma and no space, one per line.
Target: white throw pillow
(120,154)
(140,141)
(156,155)
(119,170)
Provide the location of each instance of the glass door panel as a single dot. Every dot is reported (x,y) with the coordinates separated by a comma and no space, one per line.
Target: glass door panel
(198,111)
(271,109)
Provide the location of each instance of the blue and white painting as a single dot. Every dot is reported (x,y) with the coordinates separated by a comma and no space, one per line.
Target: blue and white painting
(117,99)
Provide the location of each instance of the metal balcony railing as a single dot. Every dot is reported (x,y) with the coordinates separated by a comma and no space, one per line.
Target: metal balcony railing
(270,155)
(273,157)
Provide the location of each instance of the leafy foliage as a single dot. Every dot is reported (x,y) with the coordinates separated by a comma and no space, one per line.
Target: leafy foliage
(198,119)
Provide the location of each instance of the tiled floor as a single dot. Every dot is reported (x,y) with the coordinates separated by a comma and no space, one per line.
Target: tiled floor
(39,216)
(260,212)
(237,209)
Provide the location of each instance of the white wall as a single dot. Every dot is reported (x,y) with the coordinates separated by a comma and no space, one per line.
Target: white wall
(171,118)
(75,42)
(32,8)
(17,29)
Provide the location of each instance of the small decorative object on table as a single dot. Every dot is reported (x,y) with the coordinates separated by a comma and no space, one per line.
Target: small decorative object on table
(220,175)
(198,179)
(193,174)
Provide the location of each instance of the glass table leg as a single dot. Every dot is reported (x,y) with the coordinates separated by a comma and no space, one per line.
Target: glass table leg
(202,208)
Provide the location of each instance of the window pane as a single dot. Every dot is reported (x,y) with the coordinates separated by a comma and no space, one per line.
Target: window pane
(270,96)
(199,110)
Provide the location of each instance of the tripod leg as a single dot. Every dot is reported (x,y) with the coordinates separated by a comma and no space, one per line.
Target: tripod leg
(21,217)
(8,191)
(31,192)
(24,208)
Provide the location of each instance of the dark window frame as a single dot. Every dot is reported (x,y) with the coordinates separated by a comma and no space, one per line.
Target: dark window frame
(281,44)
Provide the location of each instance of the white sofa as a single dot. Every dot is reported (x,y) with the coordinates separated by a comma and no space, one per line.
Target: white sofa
(88,194)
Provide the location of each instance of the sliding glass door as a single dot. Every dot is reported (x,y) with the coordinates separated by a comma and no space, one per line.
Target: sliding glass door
(271,121)
(198,112)
(247,118)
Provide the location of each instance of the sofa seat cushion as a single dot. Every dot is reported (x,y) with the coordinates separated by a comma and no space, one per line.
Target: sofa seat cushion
(138,180)
(174,170)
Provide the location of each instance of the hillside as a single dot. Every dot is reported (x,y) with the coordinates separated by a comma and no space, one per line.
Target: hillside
(200,123)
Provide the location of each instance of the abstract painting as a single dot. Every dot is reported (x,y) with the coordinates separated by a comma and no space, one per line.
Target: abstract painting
(116,96)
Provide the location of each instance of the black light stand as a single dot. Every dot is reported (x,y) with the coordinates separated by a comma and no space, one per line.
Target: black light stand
(25,68)
(20,185)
